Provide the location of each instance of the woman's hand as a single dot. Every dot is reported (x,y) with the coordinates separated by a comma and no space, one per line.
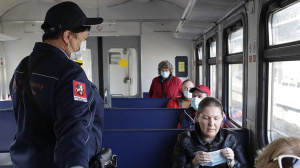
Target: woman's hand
(200,158)
(229,155)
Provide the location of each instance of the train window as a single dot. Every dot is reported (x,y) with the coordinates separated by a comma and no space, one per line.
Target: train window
(284,96)
(200,57)
(200,53)
(235,41)
(283,68)
(200,75)
(284,25)
(235,93)
(212,65)
(123,69)
(234,73)
(212,49)
(213,80)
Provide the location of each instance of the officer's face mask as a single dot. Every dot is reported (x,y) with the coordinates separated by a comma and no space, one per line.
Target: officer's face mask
(187,94)
(75,55)
(165,74)
(195,102)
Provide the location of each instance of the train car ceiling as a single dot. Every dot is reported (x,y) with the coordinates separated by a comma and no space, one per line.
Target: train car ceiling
(202,15)
(199,16)
(9,4)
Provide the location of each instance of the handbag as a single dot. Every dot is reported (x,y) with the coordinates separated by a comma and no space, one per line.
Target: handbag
(104,159)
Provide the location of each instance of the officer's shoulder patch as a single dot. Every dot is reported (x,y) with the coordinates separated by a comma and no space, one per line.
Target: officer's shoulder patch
(79,91)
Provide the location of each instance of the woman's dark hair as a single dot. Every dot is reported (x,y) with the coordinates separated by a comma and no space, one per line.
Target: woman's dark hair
(209,101)
(51,34)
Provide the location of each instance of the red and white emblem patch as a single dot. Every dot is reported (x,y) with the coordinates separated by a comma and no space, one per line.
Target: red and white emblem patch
(79,91)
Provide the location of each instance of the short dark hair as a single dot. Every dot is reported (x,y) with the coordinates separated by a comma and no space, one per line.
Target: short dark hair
(52,34)
(209,101)
(165,65)
(187,80)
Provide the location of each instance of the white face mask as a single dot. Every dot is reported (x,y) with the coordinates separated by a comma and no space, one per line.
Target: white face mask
(76,55)
(165,74)
(187,94)
(195,103)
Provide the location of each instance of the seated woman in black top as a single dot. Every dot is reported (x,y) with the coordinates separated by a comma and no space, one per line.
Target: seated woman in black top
(193,148)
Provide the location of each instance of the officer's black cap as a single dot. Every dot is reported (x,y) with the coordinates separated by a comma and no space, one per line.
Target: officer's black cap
(68,15)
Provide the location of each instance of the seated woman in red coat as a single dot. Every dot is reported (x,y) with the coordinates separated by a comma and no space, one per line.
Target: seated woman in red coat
(184,101)
(165,85)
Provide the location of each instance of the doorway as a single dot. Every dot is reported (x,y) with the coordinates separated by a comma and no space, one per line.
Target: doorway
(121,68)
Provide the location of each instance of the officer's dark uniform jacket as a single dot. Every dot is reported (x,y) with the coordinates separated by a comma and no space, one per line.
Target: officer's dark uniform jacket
(67,131)
(189,142)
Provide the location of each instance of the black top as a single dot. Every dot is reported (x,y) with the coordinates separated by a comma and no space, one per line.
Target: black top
(189,142)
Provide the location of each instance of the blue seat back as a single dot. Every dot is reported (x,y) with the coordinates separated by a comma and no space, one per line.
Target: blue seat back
(149,148)
(6,104)
(141,118)
(139,102)
(145,147)
(244,135)
(7,129)
(142,148)
(145,94)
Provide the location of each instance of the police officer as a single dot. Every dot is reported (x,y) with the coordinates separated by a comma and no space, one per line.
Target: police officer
(59,112)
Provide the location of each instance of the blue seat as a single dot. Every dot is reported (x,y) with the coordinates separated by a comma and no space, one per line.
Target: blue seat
(139,102)
(149,148)
(145,94)
(142,148)
(147,143)
(135,118)
(7,132)
(6,104)
(7,129)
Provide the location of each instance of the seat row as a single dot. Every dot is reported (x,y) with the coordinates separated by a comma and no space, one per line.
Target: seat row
(141,137)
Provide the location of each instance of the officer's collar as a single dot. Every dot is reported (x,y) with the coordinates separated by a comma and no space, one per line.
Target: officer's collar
(49,48)
(61,50)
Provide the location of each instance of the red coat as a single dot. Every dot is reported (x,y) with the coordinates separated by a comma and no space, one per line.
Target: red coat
(174,103)
(171,88)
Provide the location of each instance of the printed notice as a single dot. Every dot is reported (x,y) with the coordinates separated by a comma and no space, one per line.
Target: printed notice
(181,67)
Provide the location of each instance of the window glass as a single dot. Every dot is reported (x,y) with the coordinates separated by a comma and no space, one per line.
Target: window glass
(200,53)
(212,49)
(235,92)
(235,41)
(4,81)
(87,64)
(284,25)
(283,101)
(200,75)
(123,71)
(213,80)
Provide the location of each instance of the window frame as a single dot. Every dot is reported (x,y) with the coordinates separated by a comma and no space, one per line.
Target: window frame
(275,53)
(199,62)
(211,61)
(273,6)
(230,25)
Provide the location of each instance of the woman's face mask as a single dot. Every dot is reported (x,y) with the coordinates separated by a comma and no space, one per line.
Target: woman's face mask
(165,74)
(75,55)
(187,94)
(195,103)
